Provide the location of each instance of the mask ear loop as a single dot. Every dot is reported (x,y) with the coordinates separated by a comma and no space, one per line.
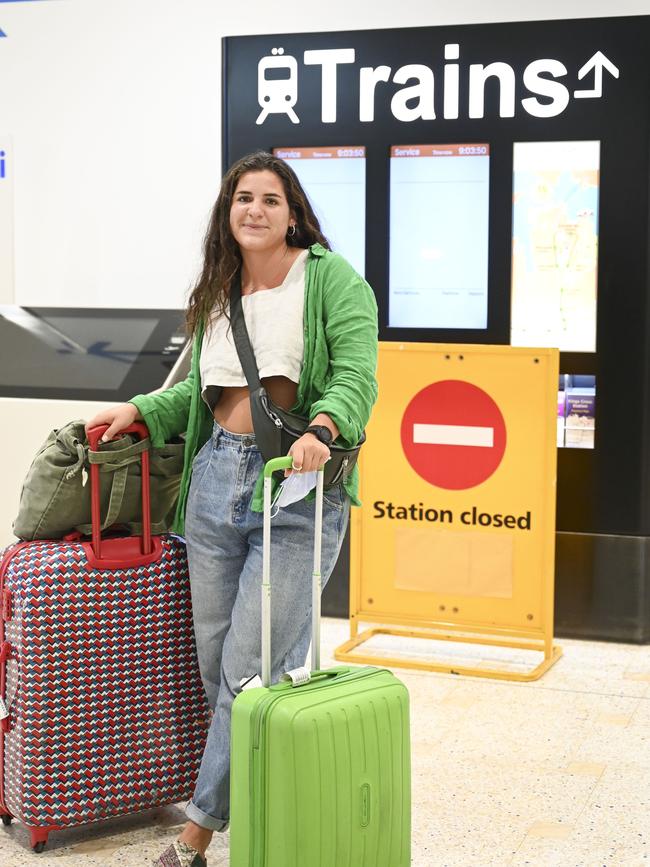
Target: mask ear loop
(275,499)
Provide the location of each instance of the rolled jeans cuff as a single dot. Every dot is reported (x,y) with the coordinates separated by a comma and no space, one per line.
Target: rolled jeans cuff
(204,820)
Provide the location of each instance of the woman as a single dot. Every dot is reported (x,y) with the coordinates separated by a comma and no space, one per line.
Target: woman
(312,322)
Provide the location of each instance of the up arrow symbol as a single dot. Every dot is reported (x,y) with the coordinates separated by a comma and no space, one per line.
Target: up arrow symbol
(598,62)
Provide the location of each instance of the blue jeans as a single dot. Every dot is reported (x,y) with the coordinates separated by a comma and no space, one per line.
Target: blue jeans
(224,549)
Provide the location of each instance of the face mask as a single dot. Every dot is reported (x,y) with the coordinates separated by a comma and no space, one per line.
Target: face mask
(294,488)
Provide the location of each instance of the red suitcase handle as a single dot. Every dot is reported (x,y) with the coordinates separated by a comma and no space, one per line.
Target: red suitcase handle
(94,436)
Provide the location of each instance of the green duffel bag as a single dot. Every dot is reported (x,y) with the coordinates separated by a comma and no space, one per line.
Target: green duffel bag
(55,498)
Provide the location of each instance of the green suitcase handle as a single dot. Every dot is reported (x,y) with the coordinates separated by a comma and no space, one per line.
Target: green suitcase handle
(277,464)
(319,674)
(336,672)
(284,463)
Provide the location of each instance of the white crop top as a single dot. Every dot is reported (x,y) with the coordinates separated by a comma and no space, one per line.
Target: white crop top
(274,319)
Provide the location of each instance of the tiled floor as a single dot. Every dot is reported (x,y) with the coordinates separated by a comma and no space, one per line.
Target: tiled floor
(554,773)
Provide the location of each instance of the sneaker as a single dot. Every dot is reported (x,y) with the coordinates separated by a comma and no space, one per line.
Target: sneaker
(180,855)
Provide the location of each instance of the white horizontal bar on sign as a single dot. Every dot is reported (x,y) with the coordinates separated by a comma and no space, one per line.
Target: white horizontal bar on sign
(453,435)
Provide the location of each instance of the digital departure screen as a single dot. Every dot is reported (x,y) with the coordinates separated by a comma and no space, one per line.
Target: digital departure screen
(334,179)
(439,219)
(555,244)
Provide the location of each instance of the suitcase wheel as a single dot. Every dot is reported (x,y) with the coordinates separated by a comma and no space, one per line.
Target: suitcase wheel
(38,839)
(6,819)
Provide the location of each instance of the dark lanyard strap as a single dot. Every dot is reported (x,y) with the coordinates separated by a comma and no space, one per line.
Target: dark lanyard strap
(240,334)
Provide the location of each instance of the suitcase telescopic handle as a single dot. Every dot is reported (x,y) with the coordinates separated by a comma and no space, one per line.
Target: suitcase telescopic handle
(94,436)
(271,467)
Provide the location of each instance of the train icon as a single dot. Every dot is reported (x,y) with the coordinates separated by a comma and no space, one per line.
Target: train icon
(277,85)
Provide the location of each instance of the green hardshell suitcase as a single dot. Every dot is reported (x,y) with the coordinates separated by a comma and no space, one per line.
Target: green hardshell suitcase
(320,763)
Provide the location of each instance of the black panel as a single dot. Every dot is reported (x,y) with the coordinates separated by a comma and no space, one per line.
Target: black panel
(602,587)
(336,595)
(605,490)
(66,353)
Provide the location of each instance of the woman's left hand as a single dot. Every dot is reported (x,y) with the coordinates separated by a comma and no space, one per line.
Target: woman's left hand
(308,454)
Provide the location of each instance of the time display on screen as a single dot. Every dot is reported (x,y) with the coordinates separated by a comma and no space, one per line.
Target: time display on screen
(469,150)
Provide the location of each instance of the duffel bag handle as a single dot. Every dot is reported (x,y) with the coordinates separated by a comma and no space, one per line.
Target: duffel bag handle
(117,462)
(94,436)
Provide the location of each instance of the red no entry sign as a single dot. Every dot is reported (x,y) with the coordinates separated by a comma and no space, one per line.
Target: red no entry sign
(453,434)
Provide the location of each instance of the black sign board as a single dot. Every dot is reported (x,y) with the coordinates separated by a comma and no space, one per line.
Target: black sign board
(492,85)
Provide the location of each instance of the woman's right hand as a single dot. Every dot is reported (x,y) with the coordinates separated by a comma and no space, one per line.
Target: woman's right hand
(116,417)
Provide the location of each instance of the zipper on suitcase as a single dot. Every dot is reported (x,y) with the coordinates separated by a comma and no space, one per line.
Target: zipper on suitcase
(256,778)
(7,607)
(258,719)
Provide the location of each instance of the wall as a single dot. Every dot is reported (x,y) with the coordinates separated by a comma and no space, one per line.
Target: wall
(112,114)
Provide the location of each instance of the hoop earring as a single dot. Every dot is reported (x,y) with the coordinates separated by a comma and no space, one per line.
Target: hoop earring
(289,232)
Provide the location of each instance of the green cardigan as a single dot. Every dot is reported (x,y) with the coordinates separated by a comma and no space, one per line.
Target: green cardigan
(337,375)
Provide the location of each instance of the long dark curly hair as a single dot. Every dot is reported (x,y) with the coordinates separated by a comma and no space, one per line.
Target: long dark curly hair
(221,254)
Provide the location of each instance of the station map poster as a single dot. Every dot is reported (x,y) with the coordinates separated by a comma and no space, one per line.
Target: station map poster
(555,244)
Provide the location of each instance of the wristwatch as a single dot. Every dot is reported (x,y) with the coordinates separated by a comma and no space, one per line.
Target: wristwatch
(322,433)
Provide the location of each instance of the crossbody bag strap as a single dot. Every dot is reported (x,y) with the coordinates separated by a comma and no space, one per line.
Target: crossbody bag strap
(240,334)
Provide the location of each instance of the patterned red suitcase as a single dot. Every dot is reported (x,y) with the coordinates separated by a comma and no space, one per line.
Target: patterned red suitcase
(103,708)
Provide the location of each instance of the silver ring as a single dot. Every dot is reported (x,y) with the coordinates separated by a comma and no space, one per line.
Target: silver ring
(294,467)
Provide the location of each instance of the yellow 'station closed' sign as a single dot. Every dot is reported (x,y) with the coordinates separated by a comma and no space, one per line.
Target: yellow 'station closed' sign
(458,475)
(471,516)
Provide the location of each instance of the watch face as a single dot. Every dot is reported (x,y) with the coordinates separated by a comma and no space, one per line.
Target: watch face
(322,433)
